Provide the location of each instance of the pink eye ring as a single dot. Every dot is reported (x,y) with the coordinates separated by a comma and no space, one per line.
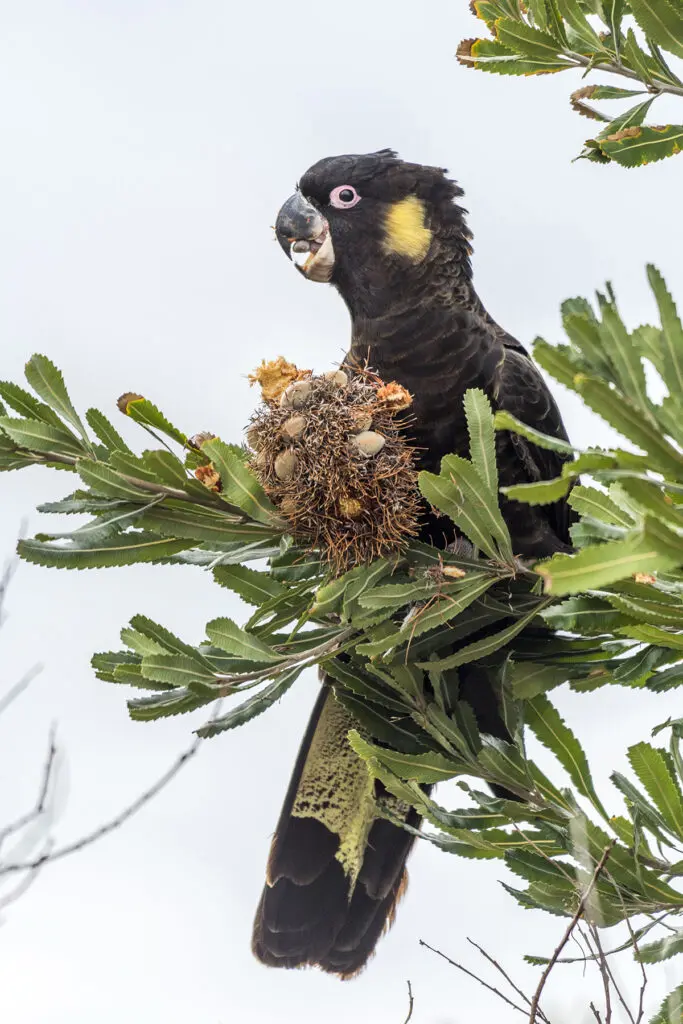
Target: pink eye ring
(344,197)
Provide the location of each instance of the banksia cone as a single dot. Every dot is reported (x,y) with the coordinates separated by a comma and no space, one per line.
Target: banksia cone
(348,491)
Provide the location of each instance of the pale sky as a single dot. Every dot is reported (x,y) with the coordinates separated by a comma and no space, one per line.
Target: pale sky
(147,147)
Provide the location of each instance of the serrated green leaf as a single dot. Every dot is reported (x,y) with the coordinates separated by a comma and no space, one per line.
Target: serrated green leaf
(522,38)
(619,412)
(106,432)
(167,640)
(654,635)
(506,421)
(240,486)
(27,406)
(529,680)
(252,707)
(253,587)
(482,438)
(589,501)
(671,335)
(482,648)
(490,55)
(352,678)
(460,493)
(105,663)
(661,21)
(543,492)
(662,949)
(671,1010)
(656,774)
(546,723)
(173,702)
(227,635)
(105,480)
(177,670)
(146,414)
(644,145)
(38,436)
(214,526)
(47,382)
(425,768)
(399,733)
(624,357)
(126,549)
(456,597)
(649,549)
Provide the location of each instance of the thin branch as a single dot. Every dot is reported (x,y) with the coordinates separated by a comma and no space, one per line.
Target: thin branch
(641,996)
(476,977)
(494,963)
(114,823)
(40,806)
(608,971)
(604,974)
(533,1013)
(410,1003)
(23,886)
(580,60)
(19,687)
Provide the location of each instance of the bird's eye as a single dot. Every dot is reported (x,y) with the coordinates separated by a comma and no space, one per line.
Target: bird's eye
(344,197)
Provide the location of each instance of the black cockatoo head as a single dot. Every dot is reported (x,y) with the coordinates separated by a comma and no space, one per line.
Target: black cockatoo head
(374,226)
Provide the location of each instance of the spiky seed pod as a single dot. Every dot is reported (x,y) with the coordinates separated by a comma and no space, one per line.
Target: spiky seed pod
(337,377)
(350,506)
(368,443)
(294,426)
(285,465)
(296,395)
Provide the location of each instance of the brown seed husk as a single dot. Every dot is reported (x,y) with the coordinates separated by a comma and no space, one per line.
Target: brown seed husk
(285,465)
(350,507)
(368,443)
(294,426)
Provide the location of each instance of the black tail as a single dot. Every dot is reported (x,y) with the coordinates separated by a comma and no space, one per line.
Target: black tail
(336,872)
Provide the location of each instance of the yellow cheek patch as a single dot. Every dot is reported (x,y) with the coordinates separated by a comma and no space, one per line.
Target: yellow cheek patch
(405,231)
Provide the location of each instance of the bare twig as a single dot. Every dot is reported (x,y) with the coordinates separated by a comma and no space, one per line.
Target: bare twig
(22,887)
(641,994)
(19,687)
(470,974)
(410,1003)
(604,974)
(533,1013)
(494,963)
(39,808)
(609,973)
(110,826)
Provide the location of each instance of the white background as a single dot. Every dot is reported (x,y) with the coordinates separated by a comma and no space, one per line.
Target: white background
(146,148)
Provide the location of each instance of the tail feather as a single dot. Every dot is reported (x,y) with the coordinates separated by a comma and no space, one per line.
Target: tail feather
(336,870)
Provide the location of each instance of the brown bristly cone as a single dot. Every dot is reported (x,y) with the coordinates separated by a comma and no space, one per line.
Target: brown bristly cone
(274,376)
(351,501)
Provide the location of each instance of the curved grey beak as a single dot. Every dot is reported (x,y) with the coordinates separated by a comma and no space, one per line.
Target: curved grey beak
(304,235)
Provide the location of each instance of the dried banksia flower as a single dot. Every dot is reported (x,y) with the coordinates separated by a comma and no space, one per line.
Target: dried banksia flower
(347,491)
(274,376)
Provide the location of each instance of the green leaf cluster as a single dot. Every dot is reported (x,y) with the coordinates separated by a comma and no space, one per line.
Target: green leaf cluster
(628,38)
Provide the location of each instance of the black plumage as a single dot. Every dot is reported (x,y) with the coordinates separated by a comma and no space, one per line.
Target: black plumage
(391,237)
